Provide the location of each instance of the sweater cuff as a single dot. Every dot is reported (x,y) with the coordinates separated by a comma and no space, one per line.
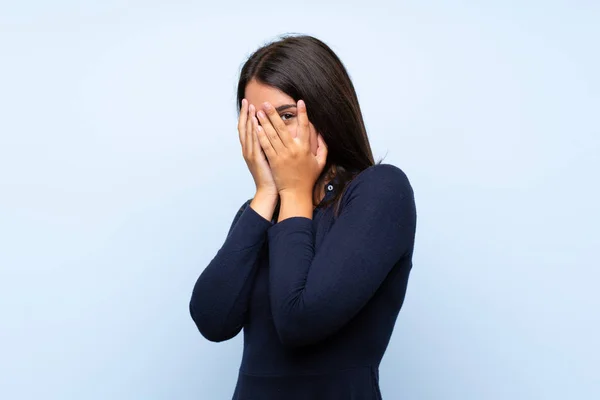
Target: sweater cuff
(290,225)
(250,229)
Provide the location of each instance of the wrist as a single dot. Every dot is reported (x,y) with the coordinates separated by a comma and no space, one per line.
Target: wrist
(267,194)
(295,204)
(264,204)
(296,195)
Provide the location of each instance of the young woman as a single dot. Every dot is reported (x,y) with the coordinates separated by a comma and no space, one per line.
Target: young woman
(316,264)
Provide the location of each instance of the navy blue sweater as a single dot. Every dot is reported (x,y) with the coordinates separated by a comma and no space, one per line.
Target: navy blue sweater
(317,299)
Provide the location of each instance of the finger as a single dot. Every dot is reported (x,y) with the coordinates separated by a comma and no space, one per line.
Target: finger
(303,124)
(270,132)
(256,148)
(265,143)
(242,121)
(278,124)
(321,151)
(249,127)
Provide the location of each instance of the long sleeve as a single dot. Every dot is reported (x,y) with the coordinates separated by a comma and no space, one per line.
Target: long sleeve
(314,295)
(220,296)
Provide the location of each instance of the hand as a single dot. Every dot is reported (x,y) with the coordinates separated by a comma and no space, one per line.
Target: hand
(253,154)
(295,168)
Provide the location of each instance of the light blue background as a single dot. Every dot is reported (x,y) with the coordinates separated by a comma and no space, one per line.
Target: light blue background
(120,171)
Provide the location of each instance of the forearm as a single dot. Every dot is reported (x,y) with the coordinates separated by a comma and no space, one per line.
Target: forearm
(220,295)
(315,293)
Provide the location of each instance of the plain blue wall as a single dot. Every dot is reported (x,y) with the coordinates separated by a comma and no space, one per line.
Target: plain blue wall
(120,171)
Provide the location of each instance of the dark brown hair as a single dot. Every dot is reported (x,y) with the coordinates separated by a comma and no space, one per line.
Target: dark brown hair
(304,67)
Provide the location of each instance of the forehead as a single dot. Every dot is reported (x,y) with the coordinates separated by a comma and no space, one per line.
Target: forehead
(257,93)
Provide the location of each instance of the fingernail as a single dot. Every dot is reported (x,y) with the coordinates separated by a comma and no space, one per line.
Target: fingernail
(301,103)
(261,114)
(267,106)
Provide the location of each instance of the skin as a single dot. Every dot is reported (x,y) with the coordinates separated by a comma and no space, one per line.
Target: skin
(284,152)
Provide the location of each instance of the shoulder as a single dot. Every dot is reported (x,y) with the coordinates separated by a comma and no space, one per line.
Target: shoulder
(381,180)
(381,191)
(382,194)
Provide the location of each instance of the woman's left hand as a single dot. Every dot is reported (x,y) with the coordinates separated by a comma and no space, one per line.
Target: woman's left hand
(295,168)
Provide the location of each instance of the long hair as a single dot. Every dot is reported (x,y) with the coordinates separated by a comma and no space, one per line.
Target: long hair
(304,67)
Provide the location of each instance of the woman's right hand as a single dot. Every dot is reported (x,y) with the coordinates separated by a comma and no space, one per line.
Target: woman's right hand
(266,192)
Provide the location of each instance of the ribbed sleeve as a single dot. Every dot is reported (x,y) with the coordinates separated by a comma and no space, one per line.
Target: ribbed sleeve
(220,296)
(314,294)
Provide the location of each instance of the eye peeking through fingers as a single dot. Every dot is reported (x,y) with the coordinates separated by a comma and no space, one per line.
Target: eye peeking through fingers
(287,116)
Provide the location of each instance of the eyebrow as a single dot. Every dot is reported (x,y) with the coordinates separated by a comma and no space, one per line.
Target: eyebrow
(284,107)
